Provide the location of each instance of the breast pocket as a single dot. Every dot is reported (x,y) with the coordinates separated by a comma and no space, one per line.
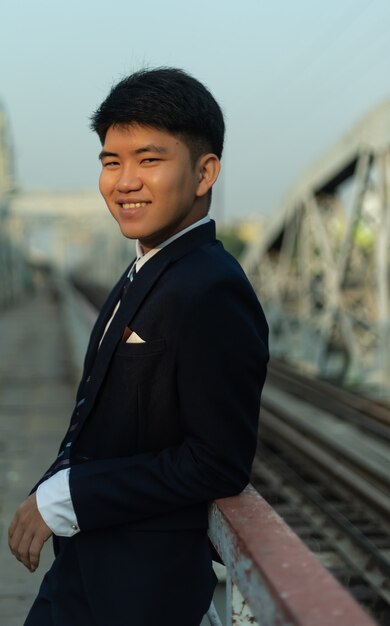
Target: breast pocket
(140,361)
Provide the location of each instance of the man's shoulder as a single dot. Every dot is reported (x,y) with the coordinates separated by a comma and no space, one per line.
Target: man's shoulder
(209,262)
(207,273)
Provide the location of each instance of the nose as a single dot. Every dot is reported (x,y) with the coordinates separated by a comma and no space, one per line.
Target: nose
(128,181)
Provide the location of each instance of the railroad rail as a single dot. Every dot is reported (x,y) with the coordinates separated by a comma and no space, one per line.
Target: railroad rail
(367,413)
(323,463)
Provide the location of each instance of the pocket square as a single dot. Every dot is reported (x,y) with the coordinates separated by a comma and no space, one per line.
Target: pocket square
(134,338)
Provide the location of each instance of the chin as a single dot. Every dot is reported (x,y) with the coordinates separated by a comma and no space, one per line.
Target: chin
(128,232)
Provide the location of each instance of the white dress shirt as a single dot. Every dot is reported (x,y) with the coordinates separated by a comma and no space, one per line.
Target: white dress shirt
(53,495)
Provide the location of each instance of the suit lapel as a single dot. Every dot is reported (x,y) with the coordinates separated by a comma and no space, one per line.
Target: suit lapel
(103,319)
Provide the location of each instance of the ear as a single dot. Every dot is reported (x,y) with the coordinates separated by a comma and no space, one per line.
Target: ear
(208,168)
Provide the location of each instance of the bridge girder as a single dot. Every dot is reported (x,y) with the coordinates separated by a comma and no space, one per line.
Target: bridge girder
(13,272)
(6,161)
(322,269)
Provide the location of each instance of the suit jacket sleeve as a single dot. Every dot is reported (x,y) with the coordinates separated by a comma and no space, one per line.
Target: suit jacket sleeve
(220,370)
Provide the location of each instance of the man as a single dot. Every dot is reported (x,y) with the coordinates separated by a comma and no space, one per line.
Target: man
(166,413)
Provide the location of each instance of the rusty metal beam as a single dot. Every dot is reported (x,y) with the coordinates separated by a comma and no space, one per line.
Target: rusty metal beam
(280,581)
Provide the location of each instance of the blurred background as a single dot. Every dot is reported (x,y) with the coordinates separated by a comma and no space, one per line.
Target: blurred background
(303,202)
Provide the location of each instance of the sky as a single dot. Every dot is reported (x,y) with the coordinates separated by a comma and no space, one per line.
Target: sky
(291,76)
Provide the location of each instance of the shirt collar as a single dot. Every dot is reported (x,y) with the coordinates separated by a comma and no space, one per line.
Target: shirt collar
(143,258)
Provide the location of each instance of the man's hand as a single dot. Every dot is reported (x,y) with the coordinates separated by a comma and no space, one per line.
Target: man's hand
(27,533)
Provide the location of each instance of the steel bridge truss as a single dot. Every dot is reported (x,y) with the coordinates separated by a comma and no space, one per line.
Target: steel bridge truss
(322,270)
(13,272)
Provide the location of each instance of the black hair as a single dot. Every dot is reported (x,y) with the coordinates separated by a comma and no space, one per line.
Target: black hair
(169,99)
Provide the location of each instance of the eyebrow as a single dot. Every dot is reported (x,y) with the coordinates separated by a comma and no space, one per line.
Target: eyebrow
(105,153)
(150,147)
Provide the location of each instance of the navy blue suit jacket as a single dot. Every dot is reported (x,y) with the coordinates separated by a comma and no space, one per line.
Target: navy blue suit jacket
(170,424)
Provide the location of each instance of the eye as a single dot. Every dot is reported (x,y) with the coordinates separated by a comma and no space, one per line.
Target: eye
(110,163)
(150,160)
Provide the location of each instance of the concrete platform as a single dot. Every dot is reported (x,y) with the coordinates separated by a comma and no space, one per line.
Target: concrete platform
(36,396)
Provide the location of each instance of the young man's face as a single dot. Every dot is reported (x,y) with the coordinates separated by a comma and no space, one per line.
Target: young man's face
(150,185)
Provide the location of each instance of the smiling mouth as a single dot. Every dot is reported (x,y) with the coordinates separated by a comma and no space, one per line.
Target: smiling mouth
(133,205)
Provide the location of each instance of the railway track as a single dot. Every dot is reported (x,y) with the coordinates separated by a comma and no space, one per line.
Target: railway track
(328,476)
(367,414)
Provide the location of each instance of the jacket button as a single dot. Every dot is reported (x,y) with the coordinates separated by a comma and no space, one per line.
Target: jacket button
(88,379)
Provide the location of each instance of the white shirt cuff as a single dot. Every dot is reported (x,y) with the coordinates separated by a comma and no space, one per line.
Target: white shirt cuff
(55,505)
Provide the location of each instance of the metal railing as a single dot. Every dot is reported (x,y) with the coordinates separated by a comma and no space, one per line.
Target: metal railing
(272,577)
(15,275)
